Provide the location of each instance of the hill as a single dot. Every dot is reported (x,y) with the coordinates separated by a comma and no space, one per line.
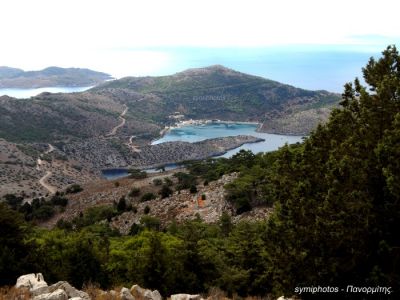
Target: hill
(217,92)
(103,127)
(50,77)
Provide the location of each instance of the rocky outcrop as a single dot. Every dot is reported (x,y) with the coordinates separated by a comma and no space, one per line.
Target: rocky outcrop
(34,283)
(56,295)
(144,294)
(39,290)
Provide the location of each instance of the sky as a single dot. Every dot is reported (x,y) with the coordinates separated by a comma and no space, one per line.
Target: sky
(140,37)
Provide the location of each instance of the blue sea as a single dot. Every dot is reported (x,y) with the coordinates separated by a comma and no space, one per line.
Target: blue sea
(196,133)
(27,93)
(313,68)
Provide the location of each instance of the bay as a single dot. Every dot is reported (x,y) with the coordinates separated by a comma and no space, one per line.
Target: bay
(199,132)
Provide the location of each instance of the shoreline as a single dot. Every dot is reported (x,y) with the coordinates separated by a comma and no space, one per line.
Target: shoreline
(189,122)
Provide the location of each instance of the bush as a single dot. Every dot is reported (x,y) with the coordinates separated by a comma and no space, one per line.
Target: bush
(184,180)
(193,189)
(59,200)
(157,181)
(121,206)
(146,210)
(73,189)
(95,214)
(134,192)
(168,181)
(13,200)
(43,213)
(148,197)
(137,174)
(165,192)
(150,222)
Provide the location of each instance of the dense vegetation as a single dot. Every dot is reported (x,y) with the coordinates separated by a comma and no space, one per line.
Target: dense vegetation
(336,201)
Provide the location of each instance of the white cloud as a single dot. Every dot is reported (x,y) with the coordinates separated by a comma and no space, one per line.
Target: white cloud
(83,33)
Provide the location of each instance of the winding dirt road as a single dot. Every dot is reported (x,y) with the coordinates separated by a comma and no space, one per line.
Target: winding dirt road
(43,182)
(132,146)
(123,120)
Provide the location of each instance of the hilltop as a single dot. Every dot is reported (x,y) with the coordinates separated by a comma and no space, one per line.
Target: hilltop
(217,92)
(50,77)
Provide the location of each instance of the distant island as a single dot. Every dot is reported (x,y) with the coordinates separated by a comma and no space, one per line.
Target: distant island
(50,77)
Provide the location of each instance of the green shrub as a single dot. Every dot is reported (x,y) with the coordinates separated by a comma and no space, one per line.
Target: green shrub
(147,197)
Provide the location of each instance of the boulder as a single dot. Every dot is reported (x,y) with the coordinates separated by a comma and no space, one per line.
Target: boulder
(56,295)
(144,294)
(125,294)
(69,289)
(34,282)
(155,295)
(185,297)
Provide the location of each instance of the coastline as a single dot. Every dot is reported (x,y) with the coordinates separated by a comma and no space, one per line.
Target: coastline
(189,122)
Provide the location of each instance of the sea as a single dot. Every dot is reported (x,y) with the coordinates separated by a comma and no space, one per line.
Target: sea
(27,93)
(307,67)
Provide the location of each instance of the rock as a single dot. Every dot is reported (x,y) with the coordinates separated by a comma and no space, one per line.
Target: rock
(185,297)
(113,294)
(155,295)
(125,294)
(144,294)
(56,295)
(69,289)
(34,282)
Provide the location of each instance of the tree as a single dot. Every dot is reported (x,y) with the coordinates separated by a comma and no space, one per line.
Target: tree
(225,223)
(335,195)
(121,206)
(13,248)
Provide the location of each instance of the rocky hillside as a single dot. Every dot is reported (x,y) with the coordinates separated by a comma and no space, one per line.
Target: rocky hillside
(151,103)
(112,125)
(50,77)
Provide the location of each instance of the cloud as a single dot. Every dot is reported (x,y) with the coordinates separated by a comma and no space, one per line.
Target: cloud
(84,33)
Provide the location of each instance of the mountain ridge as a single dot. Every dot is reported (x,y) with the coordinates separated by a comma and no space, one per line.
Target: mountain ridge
(50,77)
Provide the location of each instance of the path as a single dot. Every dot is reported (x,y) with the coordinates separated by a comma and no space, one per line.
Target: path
(51,149)
(43,182)
(131,145)
(123,120)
